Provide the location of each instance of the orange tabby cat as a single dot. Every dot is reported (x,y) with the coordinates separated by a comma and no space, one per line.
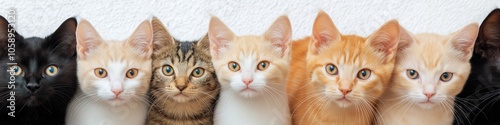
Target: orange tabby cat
(337,79)
(430,71)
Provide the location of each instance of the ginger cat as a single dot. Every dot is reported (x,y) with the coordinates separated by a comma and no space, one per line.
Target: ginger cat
(430,71)
(337,79)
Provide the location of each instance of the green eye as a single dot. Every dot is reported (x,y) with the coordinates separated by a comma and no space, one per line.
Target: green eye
(168,70)
(331,69)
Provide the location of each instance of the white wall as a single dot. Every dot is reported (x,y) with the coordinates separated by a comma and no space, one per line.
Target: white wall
(188,19)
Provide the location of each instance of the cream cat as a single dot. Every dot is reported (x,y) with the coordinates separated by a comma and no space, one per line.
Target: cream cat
(430,71)
(252,71)
(114,78)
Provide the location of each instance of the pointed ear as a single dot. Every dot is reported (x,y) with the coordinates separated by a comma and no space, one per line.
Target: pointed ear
(324,33)
(64,37)
(488,38)
(204,42)
(385,39)
(406,39)
(220,36)
(87,39)
(142,39)
(280,34)
(4,31)
(463,40)
(161,36)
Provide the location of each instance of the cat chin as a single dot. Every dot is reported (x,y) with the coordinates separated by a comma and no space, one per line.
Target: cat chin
(426,105)
(249,93)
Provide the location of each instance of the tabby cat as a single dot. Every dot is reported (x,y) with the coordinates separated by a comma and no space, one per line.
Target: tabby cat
(184,88)
(430,71)
(337,79)
(252,71)
(113,76)
(45,76)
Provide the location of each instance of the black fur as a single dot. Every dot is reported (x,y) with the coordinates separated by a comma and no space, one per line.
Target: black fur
(47,104)
(479,101)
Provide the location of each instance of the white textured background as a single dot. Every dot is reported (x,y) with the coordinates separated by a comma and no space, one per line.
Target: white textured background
(188,19)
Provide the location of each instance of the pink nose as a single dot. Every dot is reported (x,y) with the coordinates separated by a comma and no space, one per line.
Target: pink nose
(247,81)
(117,91)
(429,95)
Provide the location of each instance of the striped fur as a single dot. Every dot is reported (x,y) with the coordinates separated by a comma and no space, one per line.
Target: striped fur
(195,106)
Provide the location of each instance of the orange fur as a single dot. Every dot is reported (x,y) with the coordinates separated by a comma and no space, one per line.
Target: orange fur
(315,96)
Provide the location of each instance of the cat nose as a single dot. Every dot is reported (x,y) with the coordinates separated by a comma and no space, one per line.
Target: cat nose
(117,91)
(429,94)
(345,91)
(180,87)
(32,86)
(247,81)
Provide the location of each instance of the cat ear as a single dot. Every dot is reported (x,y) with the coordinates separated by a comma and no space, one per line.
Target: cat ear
(204,42)
(463,40)
(220,36)
(142,39)
(489,35)
(385,39)
(87,39)
(280,34)
(161,36)
(406,39)
(324,33)
(3,34)
(64,37)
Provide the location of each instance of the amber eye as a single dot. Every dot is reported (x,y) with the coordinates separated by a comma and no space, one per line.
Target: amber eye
(168,70)
(198,72)
(16,69)
(51,70)
(412,74)
(446,76)
(331,69)
(364,74)
(132,73)
(100,72)
(263,65)
(233,66)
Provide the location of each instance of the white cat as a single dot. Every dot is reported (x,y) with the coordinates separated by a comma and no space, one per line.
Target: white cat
(113,76)
(252,71)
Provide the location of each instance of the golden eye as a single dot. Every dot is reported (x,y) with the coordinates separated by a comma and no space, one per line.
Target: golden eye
(364,74)
(51,70)
(168,70)
(331,69)
(412,74)
(198,72)
(132,73)
(263,65)
(100,72)
(233,66)
(16,69)
(446,76)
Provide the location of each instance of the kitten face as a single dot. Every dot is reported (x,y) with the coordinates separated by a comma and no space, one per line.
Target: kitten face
(45,71)
(431,69)
(183,71)
(251,65)
(350,69)
(114,71)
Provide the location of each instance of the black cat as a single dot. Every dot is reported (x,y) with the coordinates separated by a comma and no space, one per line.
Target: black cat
(479,101)
(45,76)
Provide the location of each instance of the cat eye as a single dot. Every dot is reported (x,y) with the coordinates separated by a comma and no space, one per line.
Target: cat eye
(233,66)
(132,73)
(100,72)
(412,74)
(51,70)
(198,72)
(17,70)
(446,76)
(364,74)
(331,69)
(263,65)
(168,70)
